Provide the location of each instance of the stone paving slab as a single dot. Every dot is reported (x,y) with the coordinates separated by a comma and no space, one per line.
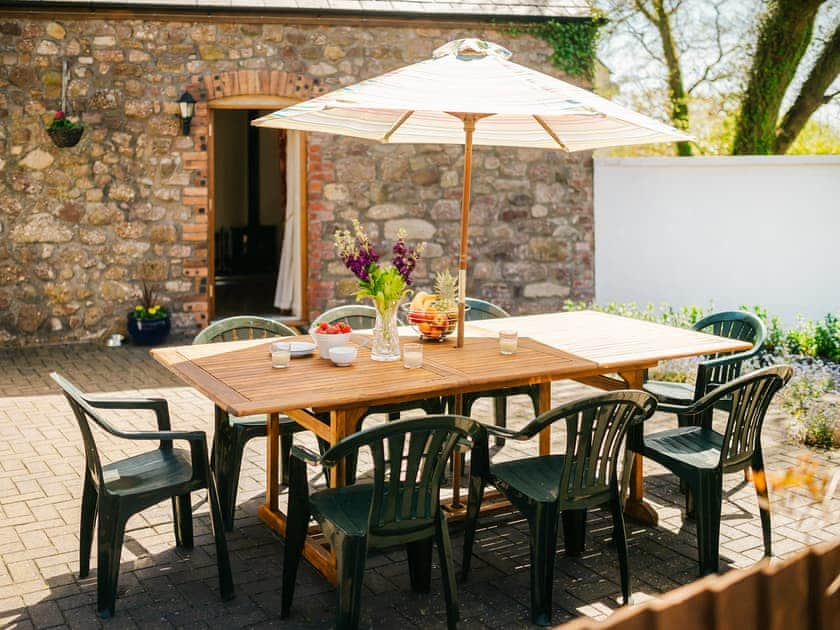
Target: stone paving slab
(41,464)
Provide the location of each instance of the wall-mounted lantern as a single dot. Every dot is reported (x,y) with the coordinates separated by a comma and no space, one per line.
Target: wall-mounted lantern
(187,104)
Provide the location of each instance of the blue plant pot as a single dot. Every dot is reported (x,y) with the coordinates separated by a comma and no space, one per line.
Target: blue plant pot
(148,332)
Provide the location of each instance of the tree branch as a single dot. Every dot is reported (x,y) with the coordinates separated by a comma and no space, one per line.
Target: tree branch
(783,37)
(812,95)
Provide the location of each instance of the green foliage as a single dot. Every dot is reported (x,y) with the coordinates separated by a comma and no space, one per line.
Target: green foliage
(827,338)
(62,121)
(574,43)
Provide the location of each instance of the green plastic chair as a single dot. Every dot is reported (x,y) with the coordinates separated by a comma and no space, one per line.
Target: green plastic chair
(118,490)
(401,506)
(543,487)
(716,369)
(361,317)
(479,310)
(232,433)
(700,456)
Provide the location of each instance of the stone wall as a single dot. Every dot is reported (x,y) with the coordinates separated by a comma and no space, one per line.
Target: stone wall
(81,227)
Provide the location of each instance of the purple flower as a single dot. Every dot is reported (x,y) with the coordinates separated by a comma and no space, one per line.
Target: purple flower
(361,258)
(405,258)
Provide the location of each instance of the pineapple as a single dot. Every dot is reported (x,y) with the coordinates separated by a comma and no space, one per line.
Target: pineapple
(446,287)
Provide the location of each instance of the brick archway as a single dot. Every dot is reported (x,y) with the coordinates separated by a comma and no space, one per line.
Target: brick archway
(204,89)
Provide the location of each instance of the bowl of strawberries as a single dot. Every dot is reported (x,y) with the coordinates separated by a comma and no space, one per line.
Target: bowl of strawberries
(326,336)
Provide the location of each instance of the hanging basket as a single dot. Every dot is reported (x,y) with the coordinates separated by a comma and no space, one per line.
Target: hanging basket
(66,136)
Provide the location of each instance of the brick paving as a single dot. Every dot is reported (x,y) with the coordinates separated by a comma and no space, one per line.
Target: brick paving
(41,463)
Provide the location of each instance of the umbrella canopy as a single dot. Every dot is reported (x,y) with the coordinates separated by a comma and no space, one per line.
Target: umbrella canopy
(470,93)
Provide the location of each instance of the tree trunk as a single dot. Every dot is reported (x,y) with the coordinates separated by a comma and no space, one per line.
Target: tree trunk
(784,34)
(676,90)
(812,94)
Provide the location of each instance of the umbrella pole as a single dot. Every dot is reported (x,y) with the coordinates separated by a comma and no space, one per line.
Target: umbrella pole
(469,127)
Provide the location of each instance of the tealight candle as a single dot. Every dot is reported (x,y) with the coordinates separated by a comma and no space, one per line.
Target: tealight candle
(412,355)
(507,341)
(281,354)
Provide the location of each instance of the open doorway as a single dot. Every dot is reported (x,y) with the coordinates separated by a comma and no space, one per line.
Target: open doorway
(256,223)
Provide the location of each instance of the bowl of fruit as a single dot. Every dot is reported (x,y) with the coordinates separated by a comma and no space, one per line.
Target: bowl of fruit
(435,315)
(327,336)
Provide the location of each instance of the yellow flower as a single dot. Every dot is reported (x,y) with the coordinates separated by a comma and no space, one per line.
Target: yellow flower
(138,308)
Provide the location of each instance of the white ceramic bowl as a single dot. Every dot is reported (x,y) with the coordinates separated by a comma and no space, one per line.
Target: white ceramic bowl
(343,356)
(325,341)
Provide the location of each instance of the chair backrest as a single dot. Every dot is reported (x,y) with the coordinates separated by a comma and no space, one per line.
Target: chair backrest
(481,309)
(243,327)
(357,316)
(751,395)
(734,325)
(595,430)
(409,461)
(82,410)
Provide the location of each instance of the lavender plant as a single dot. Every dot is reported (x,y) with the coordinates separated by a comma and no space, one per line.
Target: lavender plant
(811,398)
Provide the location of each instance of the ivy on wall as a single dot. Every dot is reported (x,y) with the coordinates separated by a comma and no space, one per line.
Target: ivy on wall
(573,43)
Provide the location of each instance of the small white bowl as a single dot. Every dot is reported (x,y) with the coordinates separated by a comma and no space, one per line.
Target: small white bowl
(343,356)
(325,341)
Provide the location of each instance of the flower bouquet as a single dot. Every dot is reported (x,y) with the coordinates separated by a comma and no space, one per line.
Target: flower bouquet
(385,285)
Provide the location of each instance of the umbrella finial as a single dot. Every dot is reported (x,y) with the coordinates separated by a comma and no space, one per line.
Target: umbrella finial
(471,48)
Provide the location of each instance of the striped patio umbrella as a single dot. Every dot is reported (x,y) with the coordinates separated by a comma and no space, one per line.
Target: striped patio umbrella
(470,93)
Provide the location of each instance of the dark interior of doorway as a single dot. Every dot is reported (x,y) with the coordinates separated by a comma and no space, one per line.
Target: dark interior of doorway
(250,201)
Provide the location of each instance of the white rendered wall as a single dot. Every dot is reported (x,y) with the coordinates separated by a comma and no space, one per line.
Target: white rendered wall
(727,230)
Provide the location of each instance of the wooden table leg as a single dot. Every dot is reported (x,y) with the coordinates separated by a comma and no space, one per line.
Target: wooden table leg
(545,405)
(456,461)
(272,461)
(342,423)
(636,507)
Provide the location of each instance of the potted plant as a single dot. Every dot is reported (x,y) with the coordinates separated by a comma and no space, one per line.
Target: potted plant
(65,131)
(149,323)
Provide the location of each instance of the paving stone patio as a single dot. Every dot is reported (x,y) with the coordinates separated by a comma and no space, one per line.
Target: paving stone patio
(41,463)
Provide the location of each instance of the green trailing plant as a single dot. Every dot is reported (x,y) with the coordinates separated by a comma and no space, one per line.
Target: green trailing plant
(574,44)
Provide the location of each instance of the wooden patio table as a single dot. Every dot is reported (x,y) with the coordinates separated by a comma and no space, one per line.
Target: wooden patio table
(606,351)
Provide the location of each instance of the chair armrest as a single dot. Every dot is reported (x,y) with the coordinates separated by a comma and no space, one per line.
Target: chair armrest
(504,432)
(730,358)
(158,405)
(306,456)
(189,436)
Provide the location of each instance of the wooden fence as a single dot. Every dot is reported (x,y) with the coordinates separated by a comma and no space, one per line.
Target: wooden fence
(801,593)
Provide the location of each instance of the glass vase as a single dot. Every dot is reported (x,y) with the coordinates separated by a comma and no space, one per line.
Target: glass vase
(386,338)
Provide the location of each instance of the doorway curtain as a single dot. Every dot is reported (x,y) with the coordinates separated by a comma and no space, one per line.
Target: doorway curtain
(287,293)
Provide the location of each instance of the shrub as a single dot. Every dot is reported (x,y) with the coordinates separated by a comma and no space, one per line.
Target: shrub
(827,338)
